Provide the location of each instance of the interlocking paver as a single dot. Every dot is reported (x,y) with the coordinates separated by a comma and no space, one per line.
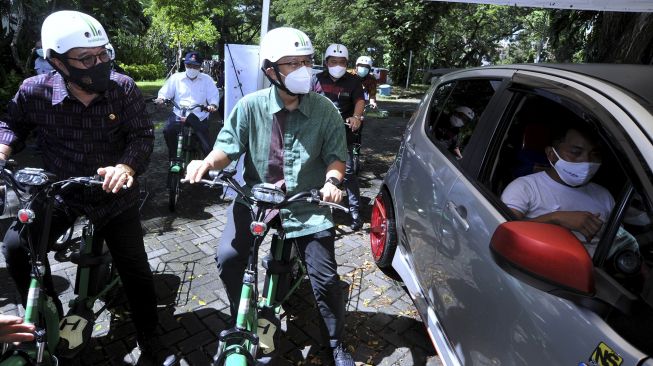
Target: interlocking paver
(382,325)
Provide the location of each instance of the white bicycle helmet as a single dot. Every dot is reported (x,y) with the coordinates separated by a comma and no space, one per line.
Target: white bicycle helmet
(68,29)
(336,50)
(364,60)
(468,112)
(284,41)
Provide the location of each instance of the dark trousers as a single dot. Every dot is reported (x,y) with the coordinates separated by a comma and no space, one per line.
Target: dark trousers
(351,181)
(124,237)
(201,129)
(316,250)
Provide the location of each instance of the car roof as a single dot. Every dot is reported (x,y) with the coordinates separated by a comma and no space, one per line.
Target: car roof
(634,79)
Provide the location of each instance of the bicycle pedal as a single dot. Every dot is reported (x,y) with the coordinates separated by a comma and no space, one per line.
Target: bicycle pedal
(74,332)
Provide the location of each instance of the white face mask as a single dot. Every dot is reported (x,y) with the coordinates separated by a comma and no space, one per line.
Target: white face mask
(39,51)
(299,81)
(337,71)
(575,174)
(456,121)
(192,73)
(362,71)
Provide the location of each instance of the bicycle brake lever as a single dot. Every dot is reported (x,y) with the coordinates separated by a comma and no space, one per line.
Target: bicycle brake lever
(315,195)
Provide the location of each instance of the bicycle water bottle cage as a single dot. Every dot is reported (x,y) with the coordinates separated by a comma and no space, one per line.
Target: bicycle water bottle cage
(268,193)
(33,177)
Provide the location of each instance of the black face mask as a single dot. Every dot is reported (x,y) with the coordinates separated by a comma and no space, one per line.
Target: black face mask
(95,79)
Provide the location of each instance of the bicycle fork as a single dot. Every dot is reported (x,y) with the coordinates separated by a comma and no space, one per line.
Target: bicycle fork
(242,340)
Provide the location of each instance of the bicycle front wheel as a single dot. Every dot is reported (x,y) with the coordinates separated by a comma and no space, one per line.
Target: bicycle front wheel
(235,359)
(173,191)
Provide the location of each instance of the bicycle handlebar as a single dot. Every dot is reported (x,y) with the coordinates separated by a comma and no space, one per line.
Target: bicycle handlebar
(187,108)
(21,188)
(312,196)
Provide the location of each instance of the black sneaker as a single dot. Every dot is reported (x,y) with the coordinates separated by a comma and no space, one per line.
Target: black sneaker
(356,222)
(154,353)
(342,357)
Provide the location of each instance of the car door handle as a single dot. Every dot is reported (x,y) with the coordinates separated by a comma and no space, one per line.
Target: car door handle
(459,214)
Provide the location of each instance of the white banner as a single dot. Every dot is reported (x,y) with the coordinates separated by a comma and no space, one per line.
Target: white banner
(643,6)
(241,73)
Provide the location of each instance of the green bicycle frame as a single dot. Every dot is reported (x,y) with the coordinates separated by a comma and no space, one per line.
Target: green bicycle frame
(184,149)
(237,347)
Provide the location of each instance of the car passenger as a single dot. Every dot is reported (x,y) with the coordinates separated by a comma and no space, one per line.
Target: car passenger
(563,194)
(450,133)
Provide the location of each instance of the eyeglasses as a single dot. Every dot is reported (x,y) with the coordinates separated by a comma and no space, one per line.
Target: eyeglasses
(90,60)
(337,62)
(295,64)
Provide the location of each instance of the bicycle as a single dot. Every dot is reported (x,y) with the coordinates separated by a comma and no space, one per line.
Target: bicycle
(369,111)
(356,147)
(57,337)
(258,319)
(187,149)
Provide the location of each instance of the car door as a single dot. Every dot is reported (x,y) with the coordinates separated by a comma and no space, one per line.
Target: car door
(494,318)
(429,167)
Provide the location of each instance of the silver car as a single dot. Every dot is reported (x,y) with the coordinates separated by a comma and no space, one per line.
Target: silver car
(493,290)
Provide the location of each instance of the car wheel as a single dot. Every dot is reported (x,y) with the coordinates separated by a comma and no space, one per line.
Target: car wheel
(383,234)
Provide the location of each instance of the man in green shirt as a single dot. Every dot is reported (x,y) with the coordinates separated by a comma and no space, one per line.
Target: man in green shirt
(293,137)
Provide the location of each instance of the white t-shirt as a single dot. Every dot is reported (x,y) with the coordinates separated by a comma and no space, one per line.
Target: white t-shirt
(538,194)
(186,92)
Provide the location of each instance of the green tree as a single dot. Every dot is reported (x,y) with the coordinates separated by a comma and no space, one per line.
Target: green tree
(352,23)
(185,25)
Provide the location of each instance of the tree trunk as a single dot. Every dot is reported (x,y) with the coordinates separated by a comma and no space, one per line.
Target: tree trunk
(622,38)
(20,18)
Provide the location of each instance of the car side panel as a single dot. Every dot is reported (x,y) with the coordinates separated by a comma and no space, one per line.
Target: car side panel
(491,317)
(425,176)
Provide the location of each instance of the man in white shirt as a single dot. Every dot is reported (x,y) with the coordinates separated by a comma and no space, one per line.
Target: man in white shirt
(563,194)
(187,88)
(41,66)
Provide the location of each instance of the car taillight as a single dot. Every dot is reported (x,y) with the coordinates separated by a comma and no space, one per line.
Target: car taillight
(25,216)
(378,228)
(258,228)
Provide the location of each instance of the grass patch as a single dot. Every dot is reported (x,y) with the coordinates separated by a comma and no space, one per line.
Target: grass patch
(414,91)
(150,88)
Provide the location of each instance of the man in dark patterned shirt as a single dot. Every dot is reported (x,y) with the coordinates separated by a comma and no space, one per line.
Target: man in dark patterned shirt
(89,120)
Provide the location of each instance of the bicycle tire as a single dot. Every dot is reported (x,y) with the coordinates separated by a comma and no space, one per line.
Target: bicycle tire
(235,359)
(356,164)
(173,191)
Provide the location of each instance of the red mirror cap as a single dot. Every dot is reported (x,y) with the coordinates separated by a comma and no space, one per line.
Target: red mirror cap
(547,251)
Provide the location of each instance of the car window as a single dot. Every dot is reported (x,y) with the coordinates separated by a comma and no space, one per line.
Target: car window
(628,260)
(622,250)
(455,111)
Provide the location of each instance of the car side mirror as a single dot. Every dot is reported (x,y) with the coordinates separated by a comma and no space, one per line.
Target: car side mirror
(546,256)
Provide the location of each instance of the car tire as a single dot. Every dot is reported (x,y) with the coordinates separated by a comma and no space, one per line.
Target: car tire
(383,234)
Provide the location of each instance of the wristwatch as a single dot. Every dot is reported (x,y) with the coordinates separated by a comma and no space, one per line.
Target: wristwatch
(335,181)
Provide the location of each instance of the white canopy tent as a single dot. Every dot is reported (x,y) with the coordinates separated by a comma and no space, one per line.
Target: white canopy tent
(639,6)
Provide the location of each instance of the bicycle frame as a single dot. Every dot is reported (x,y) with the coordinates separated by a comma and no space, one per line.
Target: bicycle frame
(183,154)
(239,345)
(40,309)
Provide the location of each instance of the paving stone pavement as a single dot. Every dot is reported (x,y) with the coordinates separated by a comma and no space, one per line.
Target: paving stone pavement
(382,326)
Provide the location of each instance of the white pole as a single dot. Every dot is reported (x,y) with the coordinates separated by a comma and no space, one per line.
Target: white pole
(410,61)
(265,17)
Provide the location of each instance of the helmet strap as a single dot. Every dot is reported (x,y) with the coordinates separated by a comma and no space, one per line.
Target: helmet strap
(278,83)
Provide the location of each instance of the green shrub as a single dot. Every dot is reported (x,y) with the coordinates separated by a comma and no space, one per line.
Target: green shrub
(144,72)
(9,83)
